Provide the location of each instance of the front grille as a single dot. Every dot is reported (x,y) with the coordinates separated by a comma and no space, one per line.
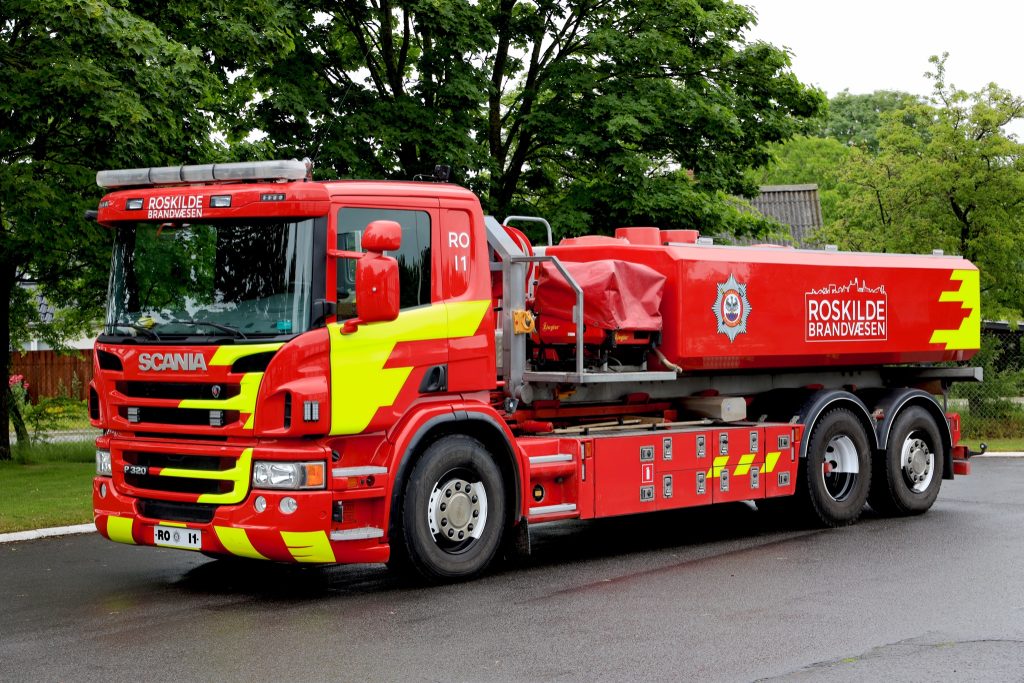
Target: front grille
(211,463)
(179,391)
(177,484)
(179,436)
(191,417)
(185,473)
(176,512)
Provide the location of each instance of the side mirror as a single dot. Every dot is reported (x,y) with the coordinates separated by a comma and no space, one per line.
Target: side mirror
(381,236)
(377,289)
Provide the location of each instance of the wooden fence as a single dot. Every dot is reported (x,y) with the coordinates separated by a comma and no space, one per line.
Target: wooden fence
(50,374)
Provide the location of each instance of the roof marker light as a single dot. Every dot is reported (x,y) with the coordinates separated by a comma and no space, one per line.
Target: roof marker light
(220,201)
(291,169)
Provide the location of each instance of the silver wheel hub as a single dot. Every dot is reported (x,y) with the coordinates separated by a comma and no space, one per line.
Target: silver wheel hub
(840,468)
(917,462)
(457,511)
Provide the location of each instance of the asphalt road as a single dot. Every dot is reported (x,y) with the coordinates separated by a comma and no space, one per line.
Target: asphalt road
(711,594)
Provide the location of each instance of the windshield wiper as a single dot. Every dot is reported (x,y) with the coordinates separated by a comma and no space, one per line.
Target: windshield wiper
(226,328)
(138,328)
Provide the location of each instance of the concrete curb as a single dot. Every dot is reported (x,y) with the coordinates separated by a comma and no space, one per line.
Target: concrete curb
(46,533)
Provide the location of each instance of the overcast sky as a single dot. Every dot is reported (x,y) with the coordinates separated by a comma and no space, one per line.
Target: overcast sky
(884,45)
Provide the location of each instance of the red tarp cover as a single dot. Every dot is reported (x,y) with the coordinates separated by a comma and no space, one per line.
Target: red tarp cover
(617,295)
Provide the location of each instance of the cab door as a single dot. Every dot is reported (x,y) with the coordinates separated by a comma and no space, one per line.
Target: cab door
(466,286)
(378,369)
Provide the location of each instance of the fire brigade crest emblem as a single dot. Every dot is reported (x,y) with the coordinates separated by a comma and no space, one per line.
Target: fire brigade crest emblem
(731,308)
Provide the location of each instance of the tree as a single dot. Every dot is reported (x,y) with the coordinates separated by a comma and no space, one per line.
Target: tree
(854,120)
(947,176)
(596,112)
(816,160)
(820,157)
(86,84)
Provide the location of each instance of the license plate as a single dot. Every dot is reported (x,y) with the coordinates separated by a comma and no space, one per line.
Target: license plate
(177,537)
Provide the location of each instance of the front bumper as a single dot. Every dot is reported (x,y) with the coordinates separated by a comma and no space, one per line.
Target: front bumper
(231,523)
(303,536)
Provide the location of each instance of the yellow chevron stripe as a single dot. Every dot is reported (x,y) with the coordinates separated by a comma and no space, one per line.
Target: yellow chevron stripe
(227,355)
(968,335)
(744,466)
(360,385)
(720,464)
(238,475)
(120,529)
(770,461)
(245,401)
(237,542)
(308,546)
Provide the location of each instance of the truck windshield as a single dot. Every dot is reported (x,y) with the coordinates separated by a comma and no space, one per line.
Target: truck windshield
(243,279)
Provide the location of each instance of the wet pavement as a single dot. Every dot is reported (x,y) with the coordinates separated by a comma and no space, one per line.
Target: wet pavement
(718,594)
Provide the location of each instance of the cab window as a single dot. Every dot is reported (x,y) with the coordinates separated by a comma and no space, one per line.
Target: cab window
(413,256)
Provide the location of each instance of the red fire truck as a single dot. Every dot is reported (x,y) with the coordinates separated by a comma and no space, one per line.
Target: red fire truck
(356,371)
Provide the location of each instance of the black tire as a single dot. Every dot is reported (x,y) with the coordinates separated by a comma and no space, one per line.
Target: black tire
(445,533)
(908,474)
(836,492)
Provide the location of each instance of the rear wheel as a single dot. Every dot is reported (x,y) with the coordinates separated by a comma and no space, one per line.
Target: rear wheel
(836,473)
(452,511)
(908,475)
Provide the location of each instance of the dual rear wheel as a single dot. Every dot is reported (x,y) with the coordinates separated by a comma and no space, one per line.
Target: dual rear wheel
(907,480)
(836,474)
(842,471)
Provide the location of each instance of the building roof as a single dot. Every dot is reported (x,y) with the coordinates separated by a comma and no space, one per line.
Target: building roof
(797,206)
(44,308)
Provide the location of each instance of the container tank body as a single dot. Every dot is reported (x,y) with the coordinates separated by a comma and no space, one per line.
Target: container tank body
(760,307)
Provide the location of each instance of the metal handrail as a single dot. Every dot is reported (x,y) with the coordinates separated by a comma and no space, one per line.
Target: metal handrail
(531,219)
(577,314)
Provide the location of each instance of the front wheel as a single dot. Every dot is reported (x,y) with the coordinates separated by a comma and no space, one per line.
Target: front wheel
(907,480)
(837,471)
(452,512)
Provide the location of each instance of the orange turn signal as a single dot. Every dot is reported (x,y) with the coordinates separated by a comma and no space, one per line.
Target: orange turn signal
(314,474)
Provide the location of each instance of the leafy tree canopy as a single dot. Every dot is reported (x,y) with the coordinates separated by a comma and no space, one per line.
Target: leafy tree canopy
(947,176)
(806,160)
(87,84)
(595,113)
(854,120)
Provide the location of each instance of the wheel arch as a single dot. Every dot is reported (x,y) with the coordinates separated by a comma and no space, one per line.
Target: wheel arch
(820,402)
(895,403)
(484,427)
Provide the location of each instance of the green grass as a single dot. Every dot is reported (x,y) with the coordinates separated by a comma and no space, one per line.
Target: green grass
(47,485)
(996,445)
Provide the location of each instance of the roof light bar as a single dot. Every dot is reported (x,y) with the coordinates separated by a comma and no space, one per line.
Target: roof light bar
(204,173)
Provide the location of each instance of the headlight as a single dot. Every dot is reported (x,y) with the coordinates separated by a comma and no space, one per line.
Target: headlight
(288,475)
(103,463)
